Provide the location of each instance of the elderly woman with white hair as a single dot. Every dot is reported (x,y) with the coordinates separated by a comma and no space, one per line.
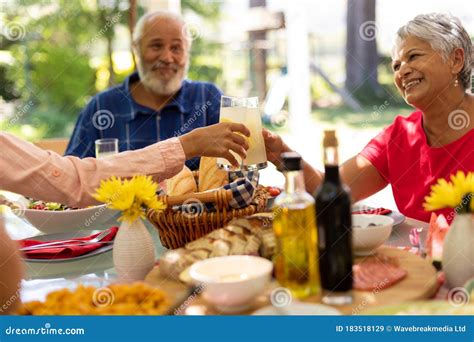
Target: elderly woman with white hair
(432,66)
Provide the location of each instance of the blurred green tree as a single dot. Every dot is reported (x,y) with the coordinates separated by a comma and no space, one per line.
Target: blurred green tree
(205,59)
(53,54)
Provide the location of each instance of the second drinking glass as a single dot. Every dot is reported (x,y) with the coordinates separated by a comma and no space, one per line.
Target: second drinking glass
(245,111)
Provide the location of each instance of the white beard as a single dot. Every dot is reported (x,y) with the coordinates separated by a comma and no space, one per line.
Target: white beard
(157,85)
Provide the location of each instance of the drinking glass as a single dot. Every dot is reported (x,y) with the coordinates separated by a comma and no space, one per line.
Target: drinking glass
(245,111)
(106,147)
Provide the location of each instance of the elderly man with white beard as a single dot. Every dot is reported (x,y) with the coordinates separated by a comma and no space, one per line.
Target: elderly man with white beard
(155,103)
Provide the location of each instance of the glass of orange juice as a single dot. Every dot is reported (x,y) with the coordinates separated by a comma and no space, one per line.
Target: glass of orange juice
(245,111)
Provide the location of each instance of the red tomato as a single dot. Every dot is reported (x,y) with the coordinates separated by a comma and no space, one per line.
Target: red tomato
(274,191)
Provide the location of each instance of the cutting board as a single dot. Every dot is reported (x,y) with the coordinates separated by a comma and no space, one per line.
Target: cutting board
(420,283)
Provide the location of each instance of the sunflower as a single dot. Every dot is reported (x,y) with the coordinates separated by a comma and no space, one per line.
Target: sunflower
(131,196)
(456,194)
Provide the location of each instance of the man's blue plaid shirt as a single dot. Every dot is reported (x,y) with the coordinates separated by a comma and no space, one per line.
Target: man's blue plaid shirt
(114,114)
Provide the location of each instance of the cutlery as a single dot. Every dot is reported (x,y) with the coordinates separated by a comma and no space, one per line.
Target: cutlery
(421,243)
(85,243)
(98,238)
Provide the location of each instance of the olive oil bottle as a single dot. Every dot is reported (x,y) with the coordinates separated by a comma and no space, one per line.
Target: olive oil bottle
(296,257)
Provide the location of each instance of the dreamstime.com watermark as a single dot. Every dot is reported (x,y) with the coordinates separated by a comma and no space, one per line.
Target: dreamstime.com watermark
(4,307)
(465,201)
(368,30)
(19,113)
(192,207)
(199,110)
(380,286)
(46,330)
(459,119)
(14,31)
(281,297)
(376,113)
(103,119)
(458,296)
(103,296)
(192,31)
(95,216)
(182,308)
(108,25)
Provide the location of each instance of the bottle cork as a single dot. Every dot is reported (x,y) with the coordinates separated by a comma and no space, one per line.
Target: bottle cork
(330,139)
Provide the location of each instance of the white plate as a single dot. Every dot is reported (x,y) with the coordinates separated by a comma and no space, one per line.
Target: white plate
(97,260)
(398,217)
(298,309)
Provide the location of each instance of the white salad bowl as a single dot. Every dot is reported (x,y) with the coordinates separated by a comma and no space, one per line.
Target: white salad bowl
(231,283)
(369,232)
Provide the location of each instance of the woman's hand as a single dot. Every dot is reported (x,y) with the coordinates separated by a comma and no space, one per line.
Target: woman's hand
(274,146)
(217,141)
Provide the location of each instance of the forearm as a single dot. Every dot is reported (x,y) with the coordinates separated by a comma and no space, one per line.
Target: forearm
(45,175)
(312,177)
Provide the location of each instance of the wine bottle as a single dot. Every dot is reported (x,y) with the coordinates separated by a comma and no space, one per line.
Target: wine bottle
(334,225)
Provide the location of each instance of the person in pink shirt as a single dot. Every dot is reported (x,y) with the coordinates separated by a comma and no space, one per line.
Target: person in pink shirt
(31,171)
(432,66)
(28,170)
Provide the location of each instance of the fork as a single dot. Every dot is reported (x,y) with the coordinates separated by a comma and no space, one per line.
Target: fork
(97,239)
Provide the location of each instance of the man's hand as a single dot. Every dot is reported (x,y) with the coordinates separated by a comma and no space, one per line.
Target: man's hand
(217,141)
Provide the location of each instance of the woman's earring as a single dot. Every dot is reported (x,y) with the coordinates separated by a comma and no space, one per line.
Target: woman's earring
(456,82)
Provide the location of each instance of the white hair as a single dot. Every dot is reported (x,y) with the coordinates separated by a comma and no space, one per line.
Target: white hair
(141,23)
(445,33)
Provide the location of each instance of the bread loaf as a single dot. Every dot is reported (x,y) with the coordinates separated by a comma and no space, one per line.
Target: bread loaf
(249,236)
(210,176)
(181,184)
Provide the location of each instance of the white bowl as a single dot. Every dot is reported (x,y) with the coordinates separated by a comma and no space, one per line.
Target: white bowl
(231,283)
(366,239)
(49,221)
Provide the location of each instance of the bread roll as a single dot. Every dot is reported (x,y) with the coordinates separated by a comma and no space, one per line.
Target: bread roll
(181,184)
(210,176)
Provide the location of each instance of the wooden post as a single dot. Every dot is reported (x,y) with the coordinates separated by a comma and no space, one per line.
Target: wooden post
(258,57)
(298,64)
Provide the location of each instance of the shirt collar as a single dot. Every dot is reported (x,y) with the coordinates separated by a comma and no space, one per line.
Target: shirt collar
(180,99)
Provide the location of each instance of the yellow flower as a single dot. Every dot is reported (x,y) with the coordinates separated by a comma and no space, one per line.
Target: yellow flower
(130,196)
(451,194)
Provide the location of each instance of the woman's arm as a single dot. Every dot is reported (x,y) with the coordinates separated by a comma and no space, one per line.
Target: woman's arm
(358,173)
(45,175)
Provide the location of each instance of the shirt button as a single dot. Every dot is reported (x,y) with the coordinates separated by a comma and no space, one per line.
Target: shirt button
(56,173)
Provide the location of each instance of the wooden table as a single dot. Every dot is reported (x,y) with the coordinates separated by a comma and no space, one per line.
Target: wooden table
(420,283)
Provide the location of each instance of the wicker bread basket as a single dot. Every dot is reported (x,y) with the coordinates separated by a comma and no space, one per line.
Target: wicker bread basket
(176,228)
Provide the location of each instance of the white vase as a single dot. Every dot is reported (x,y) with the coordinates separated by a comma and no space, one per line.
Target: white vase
(458,250)
(134,251)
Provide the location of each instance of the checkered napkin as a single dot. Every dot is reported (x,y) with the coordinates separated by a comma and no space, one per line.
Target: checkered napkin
(242,185)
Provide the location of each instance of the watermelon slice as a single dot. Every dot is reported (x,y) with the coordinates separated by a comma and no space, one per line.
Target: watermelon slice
(437,231)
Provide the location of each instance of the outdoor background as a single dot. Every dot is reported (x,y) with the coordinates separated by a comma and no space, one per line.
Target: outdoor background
(56,54)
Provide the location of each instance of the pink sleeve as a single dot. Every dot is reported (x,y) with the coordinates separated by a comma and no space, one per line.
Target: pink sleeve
(33,172)
(376,152)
